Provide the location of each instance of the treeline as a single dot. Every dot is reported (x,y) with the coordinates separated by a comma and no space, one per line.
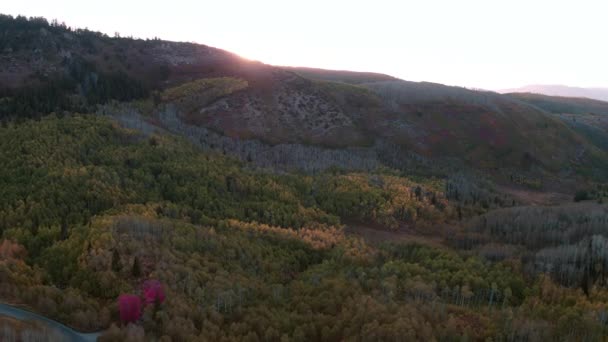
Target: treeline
(475,194)
(79,91)
(20,33)
(70,70)
(36,101)
(540,227)
(29,33)
(566,242)
(583,264)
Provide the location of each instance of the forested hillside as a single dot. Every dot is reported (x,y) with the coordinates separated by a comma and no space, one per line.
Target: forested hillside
(159,191)
(91,210)
(48,68)
(587,117)
(563,105)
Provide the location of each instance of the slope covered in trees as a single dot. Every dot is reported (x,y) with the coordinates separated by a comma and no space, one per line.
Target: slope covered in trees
(587,117)
(563,105)
(91,210)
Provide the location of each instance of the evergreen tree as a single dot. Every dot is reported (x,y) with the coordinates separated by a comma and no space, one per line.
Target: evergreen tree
(136,270)
(116,266)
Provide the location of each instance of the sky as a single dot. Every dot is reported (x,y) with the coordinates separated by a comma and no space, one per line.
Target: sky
(489,44)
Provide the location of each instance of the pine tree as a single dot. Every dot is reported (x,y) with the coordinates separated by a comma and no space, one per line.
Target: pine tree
(116,266)
(136,270)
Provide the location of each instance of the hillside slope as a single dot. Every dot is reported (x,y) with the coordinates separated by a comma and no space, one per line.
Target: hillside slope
(560,90)
(563,105)
(589,118)
(483,127)
(50,68)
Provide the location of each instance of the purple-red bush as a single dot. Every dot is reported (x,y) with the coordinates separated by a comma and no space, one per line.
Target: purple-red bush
(130,308)
(153,292)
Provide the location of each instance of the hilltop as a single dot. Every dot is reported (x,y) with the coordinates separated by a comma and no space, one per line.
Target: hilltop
(563,105)
(562,91)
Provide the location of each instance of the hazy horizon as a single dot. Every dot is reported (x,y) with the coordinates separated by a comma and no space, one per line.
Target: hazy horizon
(472,43)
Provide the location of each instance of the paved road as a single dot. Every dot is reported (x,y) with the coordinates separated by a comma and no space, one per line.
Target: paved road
(67,332)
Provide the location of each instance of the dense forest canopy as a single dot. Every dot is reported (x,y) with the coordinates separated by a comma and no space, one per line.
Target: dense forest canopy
(97,209)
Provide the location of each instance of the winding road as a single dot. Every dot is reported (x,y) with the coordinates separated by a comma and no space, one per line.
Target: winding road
(65,331)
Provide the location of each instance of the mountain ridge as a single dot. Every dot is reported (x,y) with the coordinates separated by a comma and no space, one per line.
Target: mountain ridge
(596,93)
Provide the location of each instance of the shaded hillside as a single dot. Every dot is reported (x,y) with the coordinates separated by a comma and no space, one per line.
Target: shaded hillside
(594,127)
(587,117)
(560,90)
(563,105)
(485,128)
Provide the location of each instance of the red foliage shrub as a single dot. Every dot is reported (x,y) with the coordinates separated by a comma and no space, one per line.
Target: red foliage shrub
(153,292)
(129,307)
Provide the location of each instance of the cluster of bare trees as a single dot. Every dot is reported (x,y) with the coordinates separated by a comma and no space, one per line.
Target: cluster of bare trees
(400,158)
(140,228)
(471,189)
(13,332)
(540,227)
(581,264)
(568,242)
(281,157)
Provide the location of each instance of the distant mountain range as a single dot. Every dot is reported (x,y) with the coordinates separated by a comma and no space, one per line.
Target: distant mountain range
(561,90)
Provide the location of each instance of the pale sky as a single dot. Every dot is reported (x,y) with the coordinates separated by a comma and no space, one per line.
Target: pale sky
(487,44)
